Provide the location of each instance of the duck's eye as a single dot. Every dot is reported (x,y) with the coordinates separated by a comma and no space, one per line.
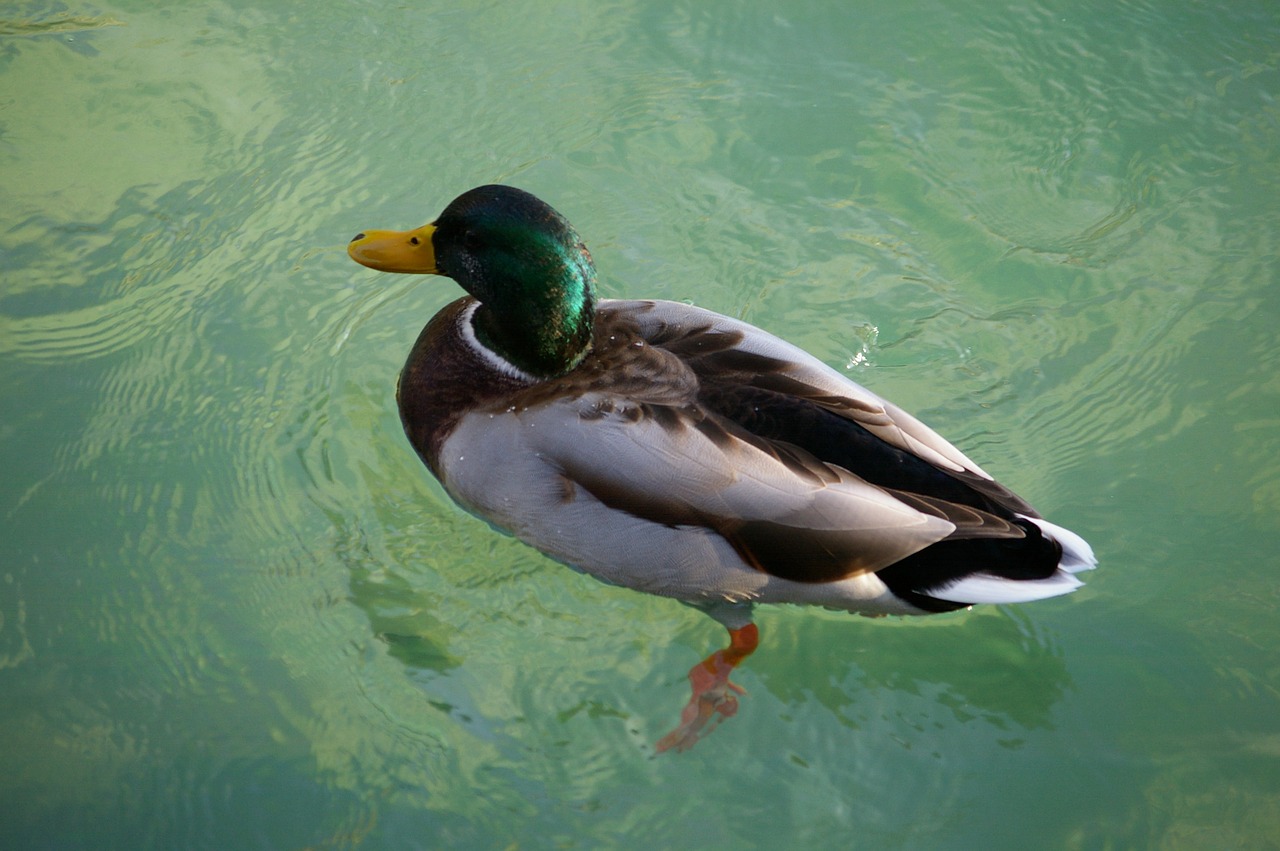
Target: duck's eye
(413,240)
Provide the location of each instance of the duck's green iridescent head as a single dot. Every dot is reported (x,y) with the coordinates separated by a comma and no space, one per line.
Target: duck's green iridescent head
(519,258)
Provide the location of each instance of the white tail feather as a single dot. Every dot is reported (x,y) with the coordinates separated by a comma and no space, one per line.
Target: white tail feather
(1077,555)
(987,588)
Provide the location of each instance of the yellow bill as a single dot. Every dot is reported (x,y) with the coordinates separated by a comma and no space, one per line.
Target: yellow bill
(406,251)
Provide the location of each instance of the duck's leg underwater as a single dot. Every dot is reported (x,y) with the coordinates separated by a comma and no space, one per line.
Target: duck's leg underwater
(714,697)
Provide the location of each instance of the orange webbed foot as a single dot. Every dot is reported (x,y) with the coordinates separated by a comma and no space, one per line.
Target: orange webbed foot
(714,696)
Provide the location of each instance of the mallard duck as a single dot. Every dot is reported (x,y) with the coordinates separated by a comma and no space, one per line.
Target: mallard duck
(673,450)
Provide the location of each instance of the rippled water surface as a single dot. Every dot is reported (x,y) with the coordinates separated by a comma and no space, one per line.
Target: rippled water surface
(236,612)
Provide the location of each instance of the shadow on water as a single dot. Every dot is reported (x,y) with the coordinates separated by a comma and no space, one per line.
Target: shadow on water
(992,666)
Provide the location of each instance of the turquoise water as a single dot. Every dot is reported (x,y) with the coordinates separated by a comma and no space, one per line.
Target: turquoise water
(236,612)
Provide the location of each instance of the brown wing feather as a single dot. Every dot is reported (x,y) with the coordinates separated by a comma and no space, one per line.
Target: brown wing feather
(714,357)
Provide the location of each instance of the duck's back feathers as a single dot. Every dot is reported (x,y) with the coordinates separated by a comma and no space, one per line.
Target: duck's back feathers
(733,448)
(725,350)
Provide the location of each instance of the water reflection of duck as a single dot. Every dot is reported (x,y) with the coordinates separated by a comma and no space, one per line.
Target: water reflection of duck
(680,452)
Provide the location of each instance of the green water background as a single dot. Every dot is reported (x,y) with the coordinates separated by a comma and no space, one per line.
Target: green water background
(236,612)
